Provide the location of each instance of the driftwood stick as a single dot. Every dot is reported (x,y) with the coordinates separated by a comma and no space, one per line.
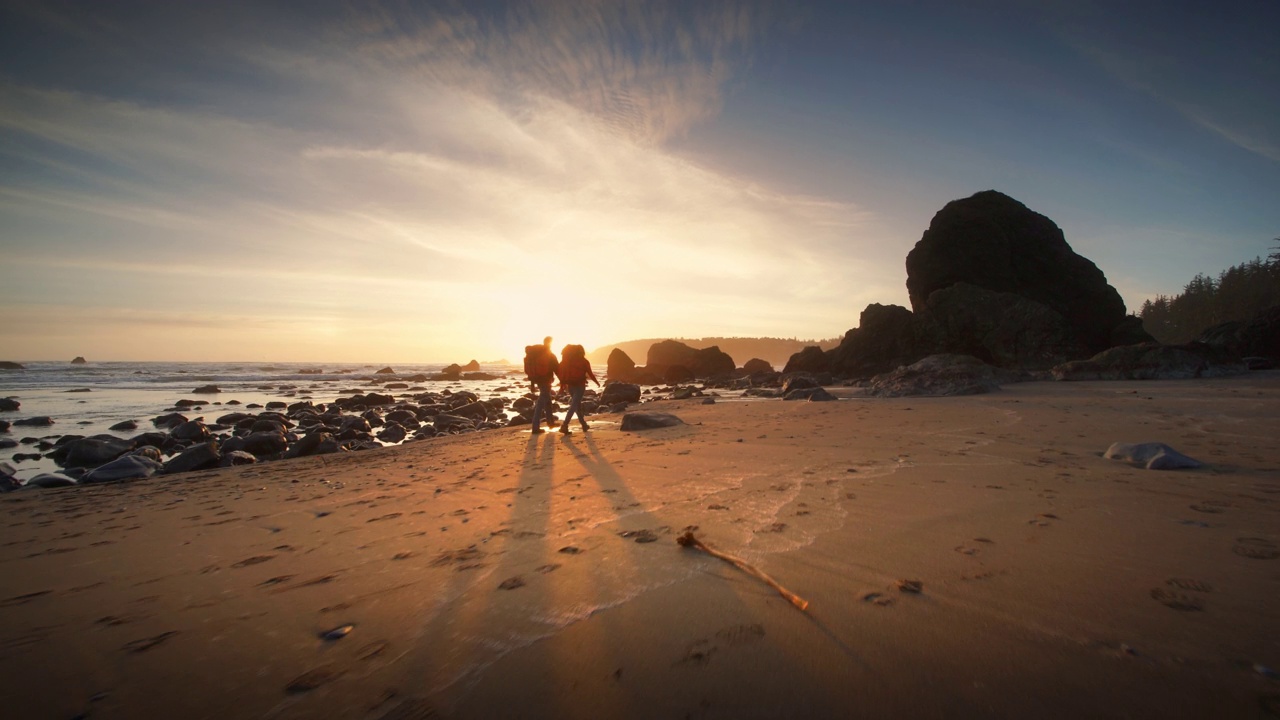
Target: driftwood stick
(688,540)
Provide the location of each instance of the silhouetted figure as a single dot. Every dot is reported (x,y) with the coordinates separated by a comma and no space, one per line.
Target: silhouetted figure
(540,366)
(573,373)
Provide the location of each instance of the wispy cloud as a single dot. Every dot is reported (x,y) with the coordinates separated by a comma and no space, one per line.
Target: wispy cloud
(419,164)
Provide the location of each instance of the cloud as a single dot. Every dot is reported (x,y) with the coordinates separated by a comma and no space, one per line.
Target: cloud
(436,170)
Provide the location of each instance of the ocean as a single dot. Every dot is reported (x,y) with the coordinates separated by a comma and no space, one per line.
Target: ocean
(88,399)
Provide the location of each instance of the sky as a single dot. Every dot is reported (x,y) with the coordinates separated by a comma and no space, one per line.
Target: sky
(442,181)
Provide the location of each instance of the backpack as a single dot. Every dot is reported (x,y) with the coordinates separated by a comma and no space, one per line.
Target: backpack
(573,371)
(537,362)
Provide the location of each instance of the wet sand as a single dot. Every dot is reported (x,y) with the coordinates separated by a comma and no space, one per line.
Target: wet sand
(503,574)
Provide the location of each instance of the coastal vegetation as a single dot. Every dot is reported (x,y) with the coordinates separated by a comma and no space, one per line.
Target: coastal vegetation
(1235,295)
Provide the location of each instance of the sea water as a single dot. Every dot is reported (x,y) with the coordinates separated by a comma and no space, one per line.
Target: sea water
(88,399)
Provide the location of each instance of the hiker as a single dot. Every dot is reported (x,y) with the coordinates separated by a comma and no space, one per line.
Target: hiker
(573,373)
(540,366)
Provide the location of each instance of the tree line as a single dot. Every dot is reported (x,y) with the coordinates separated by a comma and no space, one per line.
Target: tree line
(1237,294)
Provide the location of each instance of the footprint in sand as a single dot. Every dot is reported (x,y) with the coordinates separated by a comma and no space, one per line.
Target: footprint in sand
(878,598)
(252,561)
(1256,548)
(511,583)
(313,679)
(145,644)
(1183,594)
(1211,507)
(700,651)
(640,536)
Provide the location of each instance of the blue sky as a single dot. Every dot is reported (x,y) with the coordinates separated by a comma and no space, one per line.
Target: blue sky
(441,181)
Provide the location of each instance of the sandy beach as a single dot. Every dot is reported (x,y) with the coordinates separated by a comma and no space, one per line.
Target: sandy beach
(503,574)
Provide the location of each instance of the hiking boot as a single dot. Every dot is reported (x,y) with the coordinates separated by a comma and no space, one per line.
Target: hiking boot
(536,431)
(585,427)
(564,429)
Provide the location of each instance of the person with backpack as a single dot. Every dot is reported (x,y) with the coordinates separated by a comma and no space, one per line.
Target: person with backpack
(540,366)
(573,373)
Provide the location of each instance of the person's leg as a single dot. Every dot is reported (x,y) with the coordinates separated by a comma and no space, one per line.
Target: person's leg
(575,402)
(542,403)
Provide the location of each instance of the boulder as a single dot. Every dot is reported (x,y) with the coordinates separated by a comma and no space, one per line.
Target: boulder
(197,457)
(798,382)
(206,390)
(666,353)
(941,375)
(674,374)
(39,421)
(129,467)
(886,337)
(1259,336)
(447,423)
(1151,455)
(191,430)
(649,420)
(711,362)
(50,480)
(999,328)
(1152,361)
(810,359)
(4,425)
(78,360)
(313,443)
(392,433)
(170,421)
(91,451)
(472,366)
(813,394)
(618,392)
(7,365)
(264,443)
(619,366)
(149,451)
(385,371)
(451,372)
(237,457)
(756,365)
(125,425)
(9,404)
(997,243)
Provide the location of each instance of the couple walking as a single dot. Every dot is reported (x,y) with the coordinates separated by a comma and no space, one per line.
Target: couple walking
(572,368)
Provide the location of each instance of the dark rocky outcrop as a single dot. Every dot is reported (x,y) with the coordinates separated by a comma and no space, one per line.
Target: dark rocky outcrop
(191,430)
(385,371)
(756,365)
(472,366)
(206,390)
(886,337)
(619,366)
(649,421)
(705,363)
(9,404)
(812,394)
(169,421)
(810,359)
(1257,337)
(78,360)
(125,425)
(941,375)
(999,328)
(38,421)
(1152,361)
(997,243)
(7,365)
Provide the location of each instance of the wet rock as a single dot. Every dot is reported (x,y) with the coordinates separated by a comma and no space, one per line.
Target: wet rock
(90,452)
(170,421)
(206,390)
(7,365)
(619,392)
(39,421)
(385,371)
(129,467)
(649,420)
(472,366)
(814,394)
(78,360)
(125,425)
(1151,455)
(798,382)
(50,480)
(756,365)
(9,404)
(393,433)
(237,457)
(191,430)
(197,457)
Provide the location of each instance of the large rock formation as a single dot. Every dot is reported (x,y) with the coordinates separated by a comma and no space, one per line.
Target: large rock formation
(995,242)
(620,366)
(991,279)
(704,363)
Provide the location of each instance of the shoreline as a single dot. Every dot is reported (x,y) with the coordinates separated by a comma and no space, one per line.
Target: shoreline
(1055,583)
